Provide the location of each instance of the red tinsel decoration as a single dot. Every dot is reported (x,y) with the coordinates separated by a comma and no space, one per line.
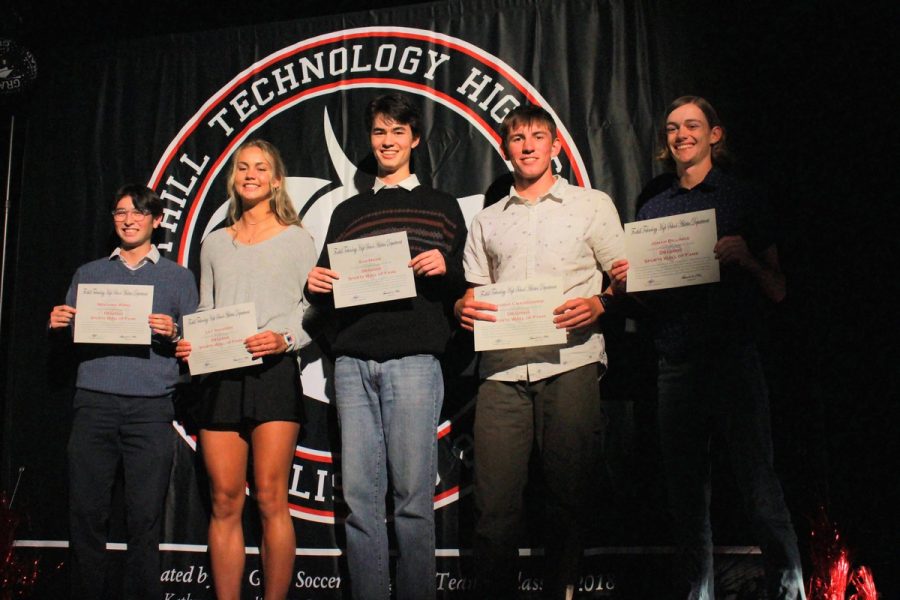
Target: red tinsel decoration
(838,577)
(17,576)
(832,573)
(865,585)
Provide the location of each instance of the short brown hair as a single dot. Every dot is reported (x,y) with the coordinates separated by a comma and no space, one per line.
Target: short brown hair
(525,114)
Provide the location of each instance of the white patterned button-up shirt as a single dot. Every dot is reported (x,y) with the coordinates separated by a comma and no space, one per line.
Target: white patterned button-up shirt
(570,232)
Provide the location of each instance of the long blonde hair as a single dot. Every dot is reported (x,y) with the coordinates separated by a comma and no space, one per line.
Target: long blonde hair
(279,202)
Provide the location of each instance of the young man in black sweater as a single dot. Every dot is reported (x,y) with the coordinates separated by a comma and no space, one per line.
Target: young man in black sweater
(388,382)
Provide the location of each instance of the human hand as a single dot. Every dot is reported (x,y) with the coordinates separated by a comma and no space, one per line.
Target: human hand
(618,275)
(61,316)
(163,325)
(468,310)
(265,343)
(429,263)
(319,280)
(577,313)
(733,250)
(182,350)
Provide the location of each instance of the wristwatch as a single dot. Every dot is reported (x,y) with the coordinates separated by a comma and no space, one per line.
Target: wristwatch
(288,339)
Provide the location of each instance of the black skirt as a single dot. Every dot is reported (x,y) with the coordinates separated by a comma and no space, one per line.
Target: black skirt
(270,391)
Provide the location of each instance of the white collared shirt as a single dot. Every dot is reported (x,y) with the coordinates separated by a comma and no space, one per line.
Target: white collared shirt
(409,184)
(570,232)
(151,256)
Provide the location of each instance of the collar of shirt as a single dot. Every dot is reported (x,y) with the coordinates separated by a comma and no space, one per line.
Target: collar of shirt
(555,193)
(710,182)
(408,184)
(151,256)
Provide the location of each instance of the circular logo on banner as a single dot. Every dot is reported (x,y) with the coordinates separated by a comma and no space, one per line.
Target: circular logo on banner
(308,99)
(18,69)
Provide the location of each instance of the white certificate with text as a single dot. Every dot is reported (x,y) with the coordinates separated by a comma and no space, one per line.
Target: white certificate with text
(372,269)
(217,338)
(672,251)
(113,314)
(524,315)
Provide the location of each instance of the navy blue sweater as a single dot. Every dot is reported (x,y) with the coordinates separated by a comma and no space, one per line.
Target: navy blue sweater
(135,370)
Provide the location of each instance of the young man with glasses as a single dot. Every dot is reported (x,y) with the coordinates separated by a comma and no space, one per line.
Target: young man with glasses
(123,406)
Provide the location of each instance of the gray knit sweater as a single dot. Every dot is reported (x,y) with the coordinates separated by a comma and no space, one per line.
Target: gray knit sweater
(271,274)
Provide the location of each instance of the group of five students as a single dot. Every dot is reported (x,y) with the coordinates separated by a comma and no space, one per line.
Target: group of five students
(388,380)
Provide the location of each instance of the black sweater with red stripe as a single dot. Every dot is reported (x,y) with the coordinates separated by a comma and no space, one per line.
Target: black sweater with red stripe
(419,325)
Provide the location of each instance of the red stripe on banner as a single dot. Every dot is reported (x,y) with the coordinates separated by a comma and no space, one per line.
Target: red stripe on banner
(213,171)
(448,493)
(314,457)
(213,102)
(312,511)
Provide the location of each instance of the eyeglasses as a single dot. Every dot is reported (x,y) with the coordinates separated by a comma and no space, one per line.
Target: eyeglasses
(121,213)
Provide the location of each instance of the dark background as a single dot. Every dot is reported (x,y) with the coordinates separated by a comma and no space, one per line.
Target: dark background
(804,89)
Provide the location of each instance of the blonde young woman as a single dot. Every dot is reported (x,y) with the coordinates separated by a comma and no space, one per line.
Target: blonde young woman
(263,257)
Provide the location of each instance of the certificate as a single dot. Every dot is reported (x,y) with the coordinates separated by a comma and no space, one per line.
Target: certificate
(524,314)
(372,269)
(113,314)
(671,252)
(217,338)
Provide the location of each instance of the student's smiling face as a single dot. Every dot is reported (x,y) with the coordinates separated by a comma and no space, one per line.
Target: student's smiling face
(133,227)
(392,145)
(531,148)
(254,180)
(689,136)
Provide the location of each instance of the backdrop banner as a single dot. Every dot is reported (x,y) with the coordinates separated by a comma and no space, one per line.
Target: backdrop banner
(170,111)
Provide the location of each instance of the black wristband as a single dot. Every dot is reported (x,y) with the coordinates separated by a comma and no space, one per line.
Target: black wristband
(604,301)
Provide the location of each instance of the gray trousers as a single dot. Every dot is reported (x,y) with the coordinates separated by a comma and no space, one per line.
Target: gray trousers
(559,418)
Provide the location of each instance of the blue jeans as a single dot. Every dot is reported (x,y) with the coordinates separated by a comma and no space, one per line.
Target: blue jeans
(723,391)
(388,413)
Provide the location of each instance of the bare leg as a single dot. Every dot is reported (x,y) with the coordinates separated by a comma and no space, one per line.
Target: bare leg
(225,455)
(274,443)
